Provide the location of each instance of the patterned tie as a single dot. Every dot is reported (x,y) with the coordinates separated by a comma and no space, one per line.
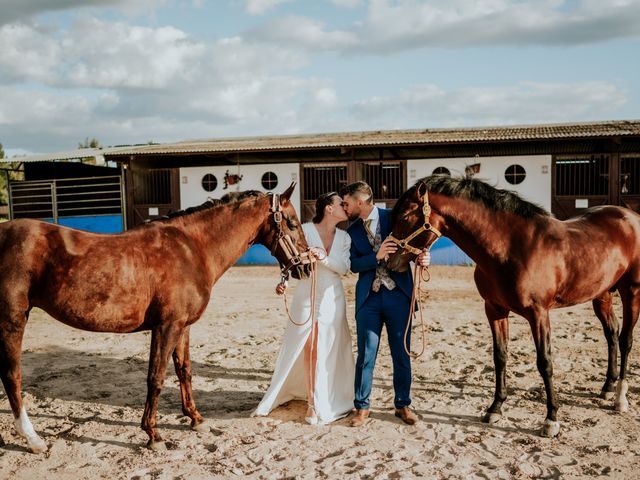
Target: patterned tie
(367,227)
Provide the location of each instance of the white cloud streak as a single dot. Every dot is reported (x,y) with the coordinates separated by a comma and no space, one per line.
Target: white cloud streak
(398,25)
(524,103)
(259,7)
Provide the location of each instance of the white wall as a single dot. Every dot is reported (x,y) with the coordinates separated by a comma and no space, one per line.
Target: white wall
(192,193)
(536,186)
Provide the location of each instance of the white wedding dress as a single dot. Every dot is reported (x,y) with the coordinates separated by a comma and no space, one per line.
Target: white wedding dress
(335,370)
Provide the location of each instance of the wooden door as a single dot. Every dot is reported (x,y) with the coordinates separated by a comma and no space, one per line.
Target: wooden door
(151,193)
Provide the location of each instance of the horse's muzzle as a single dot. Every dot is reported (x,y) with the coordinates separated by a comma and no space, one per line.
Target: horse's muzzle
(298,264)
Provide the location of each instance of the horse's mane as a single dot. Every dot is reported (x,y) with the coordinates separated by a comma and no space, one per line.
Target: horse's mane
(229,198)
(477,191)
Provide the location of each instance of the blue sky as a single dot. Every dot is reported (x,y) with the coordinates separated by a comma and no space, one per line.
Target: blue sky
(129,72)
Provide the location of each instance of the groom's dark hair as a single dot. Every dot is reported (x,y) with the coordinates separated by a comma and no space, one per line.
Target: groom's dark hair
(360,189)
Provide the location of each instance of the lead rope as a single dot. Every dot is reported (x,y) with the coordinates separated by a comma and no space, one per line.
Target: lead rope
(312,317)
(312,313)
(418,278)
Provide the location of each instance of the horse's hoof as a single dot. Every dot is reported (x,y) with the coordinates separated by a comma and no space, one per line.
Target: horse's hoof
(201,427)
(606,395)
(491,417)
(550,429)
(621,405)
(38,446)
(157,446)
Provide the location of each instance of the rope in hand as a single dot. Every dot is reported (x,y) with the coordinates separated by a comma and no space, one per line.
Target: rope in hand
(312,318)
(418,278)
(314,274)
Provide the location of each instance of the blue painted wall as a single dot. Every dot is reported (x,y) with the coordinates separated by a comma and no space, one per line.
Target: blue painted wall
(96,224)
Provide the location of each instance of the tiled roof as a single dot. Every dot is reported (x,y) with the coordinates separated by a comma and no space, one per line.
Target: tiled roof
(390,137)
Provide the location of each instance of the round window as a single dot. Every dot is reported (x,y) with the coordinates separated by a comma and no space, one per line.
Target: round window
(442,171)
(209,182)
(269,181)
(515,174)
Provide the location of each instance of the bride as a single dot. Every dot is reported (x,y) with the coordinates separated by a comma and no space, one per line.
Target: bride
(317,364)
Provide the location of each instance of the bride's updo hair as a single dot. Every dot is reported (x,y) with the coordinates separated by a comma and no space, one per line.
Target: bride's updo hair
(322,202)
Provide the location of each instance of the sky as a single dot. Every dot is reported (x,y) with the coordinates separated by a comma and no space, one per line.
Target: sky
(132,72)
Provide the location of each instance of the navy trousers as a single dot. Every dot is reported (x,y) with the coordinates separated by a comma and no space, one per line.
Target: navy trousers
(391,308)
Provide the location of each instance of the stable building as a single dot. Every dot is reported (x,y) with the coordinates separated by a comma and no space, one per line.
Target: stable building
(565,168)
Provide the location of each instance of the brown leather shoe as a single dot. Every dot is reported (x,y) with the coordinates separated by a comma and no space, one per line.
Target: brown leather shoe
(359,418)
(407,415)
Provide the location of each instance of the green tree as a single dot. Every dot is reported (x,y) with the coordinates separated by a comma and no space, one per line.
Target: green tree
(93,143)
(14,174)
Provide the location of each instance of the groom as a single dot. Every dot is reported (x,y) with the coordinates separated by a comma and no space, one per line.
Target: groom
(383,297)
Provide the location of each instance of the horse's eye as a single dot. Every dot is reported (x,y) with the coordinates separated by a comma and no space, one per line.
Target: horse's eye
(292,224)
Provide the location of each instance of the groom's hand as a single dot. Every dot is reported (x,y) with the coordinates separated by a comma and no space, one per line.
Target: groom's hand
(386,249)
(424,259)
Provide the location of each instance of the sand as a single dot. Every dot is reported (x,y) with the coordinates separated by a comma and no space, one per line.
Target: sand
(85,395)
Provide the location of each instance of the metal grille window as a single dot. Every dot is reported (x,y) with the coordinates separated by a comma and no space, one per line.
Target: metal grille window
(384,178)
(442,171)
(269,181)
(582,175)
(630,175)
(152,187)
(322,178)
(209,182)
(32,199)
(515,174)
(66,197)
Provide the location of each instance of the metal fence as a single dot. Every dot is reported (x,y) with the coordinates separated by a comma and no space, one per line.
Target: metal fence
(71,197)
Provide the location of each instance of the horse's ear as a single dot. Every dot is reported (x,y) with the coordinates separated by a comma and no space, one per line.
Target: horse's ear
(286,195)
(421,190)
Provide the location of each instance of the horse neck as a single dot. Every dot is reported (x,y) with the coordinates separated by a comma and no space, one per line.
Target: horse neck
(225,233)
(483,234)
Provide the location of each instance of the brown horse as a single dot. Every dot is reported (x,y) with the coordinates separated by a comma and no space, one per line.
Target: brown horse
(154,277)
(528,262)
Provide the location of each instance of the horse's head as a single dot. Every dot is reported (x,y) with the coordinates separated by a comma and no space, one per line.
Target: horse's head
(282,234)
(414,227)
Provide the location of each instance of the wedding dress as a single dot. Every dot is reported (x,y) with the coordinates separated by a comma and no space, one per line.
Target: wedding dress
(333,396)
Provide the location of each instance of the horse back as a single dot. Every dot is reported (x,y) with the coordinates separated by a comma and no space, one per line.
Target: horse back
(95,281)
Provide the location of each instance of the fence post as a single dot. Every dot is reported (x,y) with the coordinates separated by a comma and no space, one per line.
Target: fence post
(54,202)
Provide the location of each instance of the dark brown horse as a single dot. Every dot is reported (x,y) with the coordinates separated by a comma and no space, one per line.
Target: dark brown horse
(154,277)
(528,262)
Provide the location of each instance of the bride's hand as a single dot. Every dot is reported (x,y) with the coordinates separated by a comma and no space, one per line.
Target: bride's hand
(280,289)
(319,253)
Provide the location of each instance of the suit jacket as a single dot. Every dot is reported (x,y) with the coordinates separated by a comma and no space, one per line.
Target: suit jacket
(363,259)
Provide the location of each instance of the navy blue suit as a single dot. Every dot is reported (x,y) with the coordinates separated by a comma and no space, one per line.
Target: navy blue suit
(375,309)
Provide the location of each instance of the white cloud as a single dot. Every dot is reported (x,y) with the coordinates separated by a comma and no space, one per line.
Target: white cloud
(258,7)
(347,3)
(13,10)
(397,25)
(528,102)
(27,53)
(303,32)
(103,54)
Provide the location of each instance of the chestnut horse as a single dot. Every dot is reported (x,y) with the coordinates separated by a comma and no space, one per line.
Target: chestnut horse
(157,277)
(528,262)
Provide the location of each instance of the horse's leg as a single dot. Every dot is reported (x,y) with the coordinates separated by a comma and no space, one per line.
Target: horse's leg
(499,321)
(541,330)
(630,308)
(11,332)
(182,363)
(603,307)
(164,338)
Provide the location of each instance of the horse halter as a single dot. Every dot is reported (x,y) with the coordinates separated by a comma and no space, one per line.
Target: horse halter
(426,227)
(295,260)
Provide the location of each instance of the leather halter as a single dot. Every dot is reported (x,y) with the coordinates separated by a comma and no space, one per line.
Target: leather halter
(294,258)
(426,227)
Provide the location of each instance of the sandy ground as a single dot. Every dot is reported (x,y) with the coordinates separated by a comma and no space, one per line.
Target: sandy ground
(85,394)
